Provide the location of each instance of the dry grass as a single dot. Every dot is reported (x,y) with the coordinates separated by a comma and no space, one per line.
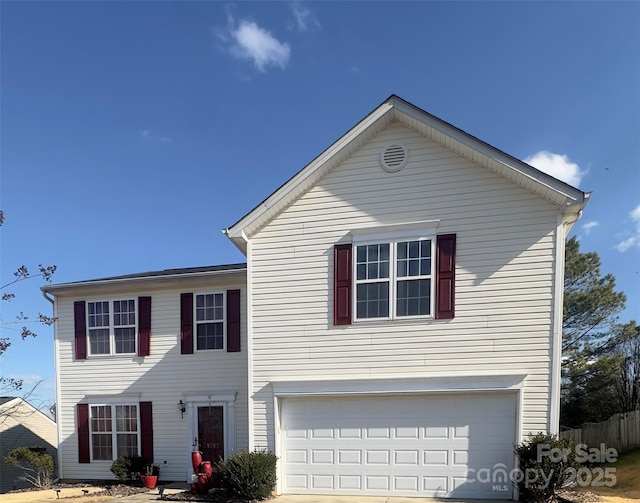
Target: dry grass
(69,494)
(627,486)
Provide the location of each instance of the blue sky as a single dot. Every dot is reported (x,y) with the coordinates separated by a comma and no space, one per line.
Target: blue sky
(133,132)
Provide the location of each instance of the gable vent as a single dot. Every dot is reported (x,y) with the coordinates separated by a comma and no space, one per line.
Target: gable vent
(394,157)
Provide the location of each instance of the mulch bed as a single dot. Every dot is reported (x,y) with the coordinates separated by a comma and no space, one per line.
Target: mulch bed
(110,488)
(216,496)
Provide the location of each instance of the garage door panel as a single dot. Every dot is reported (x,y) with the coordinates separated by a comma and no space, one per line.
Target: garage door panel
(401,483)
(405,445)
(436,458)
(404,457)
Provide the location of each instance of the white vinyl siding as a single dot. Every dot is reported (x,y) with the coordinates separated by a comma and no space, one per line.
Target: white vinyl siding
(164,377)
(504,279)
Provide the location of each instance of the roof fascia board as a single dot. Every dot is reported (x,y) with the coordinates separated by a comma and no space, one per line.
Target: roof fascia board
(575,196)
(100,283)
(238,230)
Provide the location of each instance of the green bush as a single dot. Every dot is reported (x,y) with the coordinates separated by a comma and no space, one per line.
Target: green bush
(249,475)
(37,464)
(125,467)
(547,463)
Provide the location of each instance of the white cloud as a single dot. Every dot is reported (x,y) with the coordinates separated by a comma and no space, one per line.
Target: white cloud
(634,239)
(146,135)
(589,225)
(305,20)
(250,41)
(557,165)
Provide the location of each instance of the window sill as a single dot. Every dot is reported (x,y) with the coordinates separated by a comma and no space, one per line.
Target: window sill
(403,319)
(116,355)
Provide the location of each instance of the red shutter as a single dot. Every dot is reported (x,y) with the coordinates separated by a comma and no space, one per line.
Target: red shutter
(186,323)
(146,429)
(342,284)
(144,326)
(80,323)
(82,417)
(445,276)
(233,320)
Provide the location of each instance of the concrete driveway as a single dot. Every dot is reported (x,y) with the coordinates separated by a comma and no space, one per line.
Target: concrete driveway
(294,498)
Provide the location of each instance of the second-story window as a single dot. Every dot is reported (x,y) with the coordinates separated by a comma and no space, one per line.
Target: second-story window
(210,321)
(112,327)
(393,279)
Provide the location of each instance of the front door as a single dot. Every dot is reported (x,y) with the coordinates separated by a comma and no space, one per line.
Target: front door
(211,433)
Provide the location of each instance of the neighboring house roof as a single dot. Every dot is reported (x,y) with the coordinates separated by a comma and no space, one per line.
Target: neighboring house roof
(20,411)
(570,199)
(22,425)
(165,274)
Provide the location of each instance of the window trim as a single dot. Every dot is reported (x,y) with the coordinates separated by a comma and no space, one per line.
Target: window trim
(392,238)
(223,321)
(112,326)
(113,403)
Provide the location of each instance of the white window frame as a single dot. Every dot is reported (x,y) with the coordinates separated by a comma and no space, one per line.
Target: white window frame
(392,238)
(112,326)
(223,321)
(113,403)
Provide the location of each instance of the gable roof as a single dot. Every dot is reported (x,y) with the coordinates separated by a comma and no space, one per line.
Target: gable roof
(569,199)
(19,410)
(135,279)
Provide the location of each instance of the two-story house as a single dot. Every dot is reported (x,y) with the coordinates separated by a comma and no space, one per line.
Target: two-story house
(399,327)
(151,365)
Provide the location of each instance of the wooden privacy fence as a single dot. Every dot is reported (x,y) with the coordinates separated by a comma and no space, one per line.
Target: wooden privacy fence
(621,431)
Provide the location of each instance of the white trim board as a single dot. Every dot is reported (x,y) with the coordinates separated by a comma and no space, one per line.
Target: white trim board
(399,385)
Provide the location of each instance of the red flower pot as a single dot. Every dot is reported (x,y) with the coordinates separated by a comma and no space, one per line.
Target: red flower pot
(196,460)
(149,481)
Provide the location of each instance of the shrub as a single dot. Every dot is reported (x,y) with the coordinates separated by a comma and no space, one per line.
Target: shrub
(249,475)
(37,464)
(128,467)
(547,463)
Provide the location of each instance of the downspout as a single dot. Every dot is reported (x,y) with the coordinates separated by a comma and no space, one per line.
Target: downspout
(55,365)
(564,224)
(50,299)
(250,404)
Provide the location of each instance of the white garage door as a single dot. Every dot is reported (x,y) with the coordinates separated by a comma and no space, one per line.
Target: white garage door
(418,445)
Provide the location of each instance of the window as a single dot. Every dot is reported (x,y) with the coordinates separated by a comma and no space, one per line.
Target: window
(395,272)
(112,327)
(210,321)
(393,279)
(114,431)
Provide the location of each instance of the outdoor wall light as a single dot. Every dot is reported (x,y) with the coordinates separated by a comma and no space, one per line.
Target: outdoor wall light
(182,408)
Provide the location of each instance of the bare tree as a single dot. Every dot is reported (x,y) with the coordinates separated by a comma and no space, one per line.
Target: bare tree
(20,325)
